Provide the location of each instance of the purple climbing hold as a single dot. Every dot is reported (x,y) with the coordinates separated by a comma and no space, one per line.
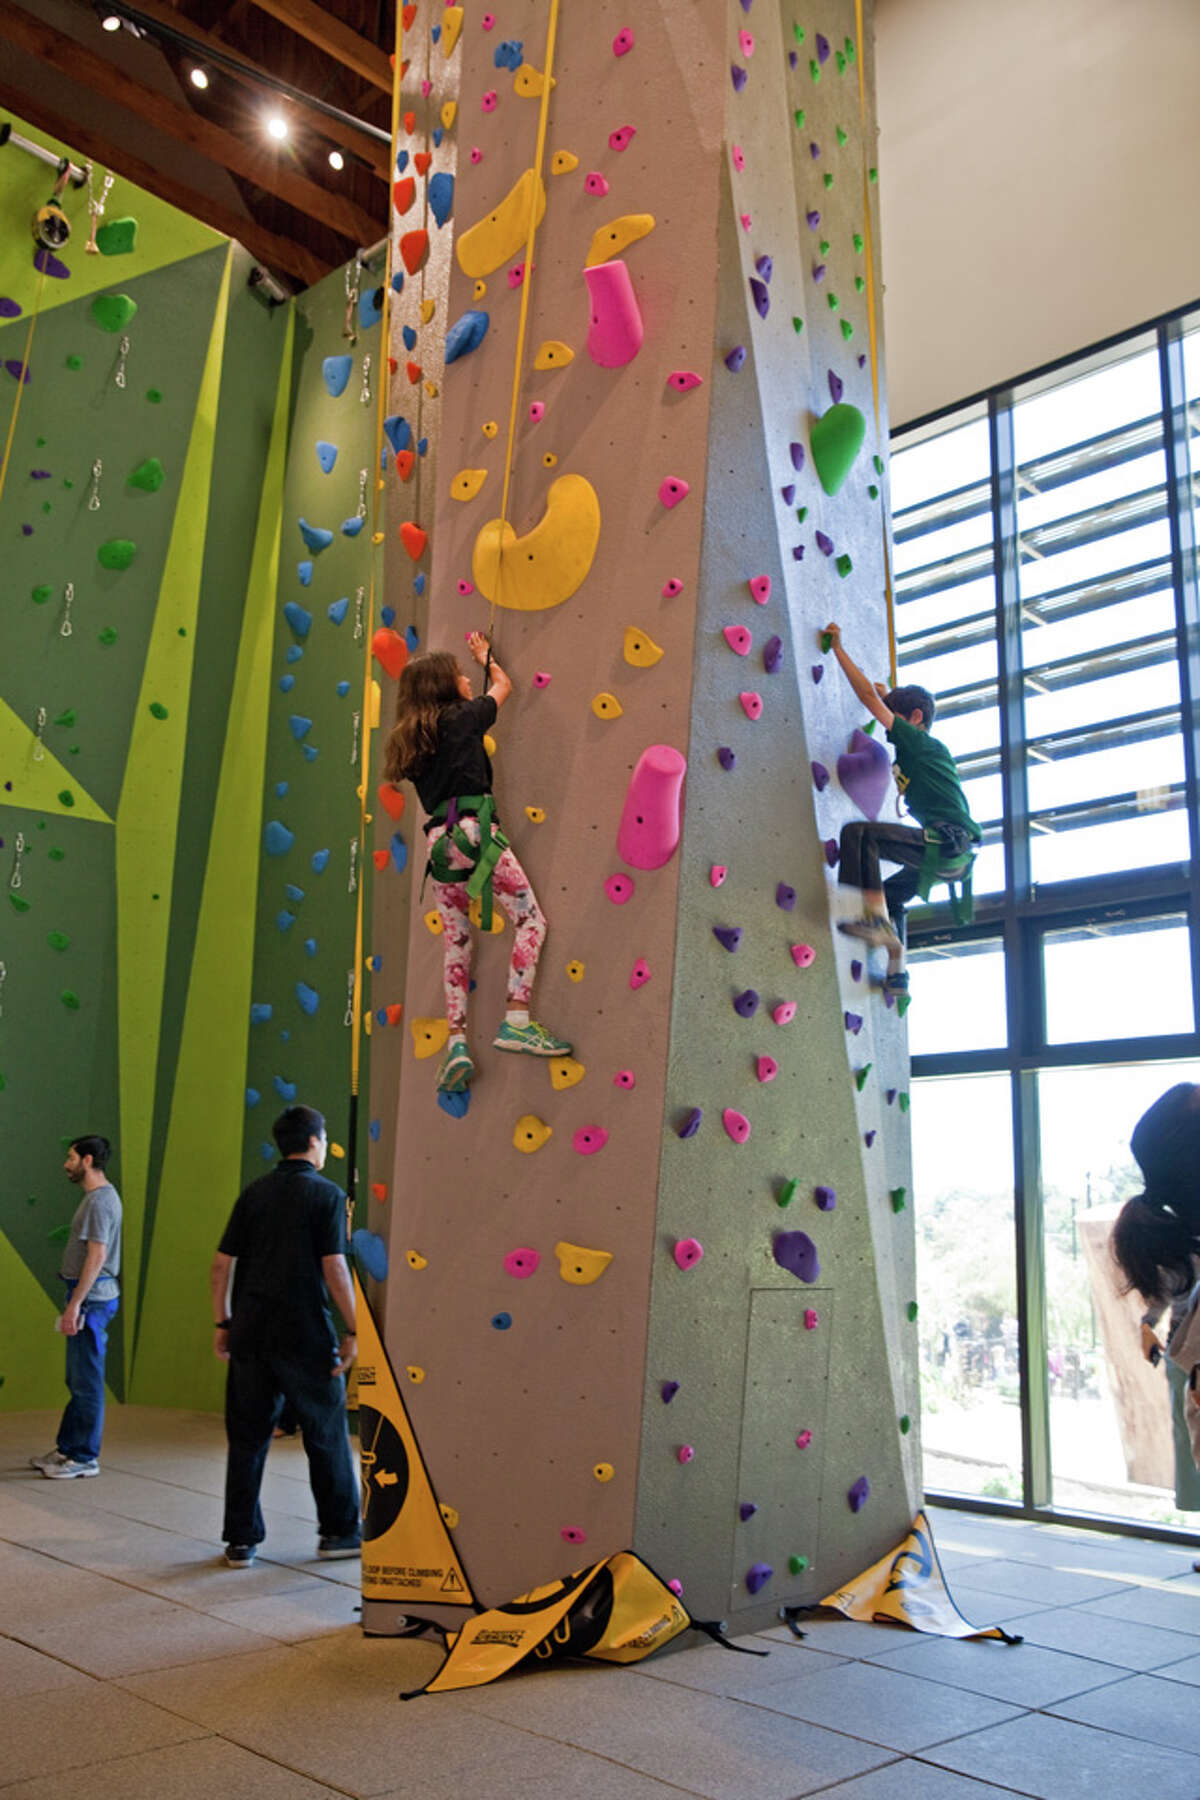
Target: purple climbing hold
(45,262)
(837,387)
(765,267)
(820,775)
(890,1096)
(822,44)
(16,368)
(785,897)
(859,1494)
(824,543)
(691,1124)
(818,273)
(853,1023)
(668,1390)
(788,493)
(796,1252)
(797,552)
(868,1138)
(796,452)
(833,852)
(9,308)
(814,219)
(814,150)
(856,970)
(793,59)
(747,1510)
(738,76)
(757,1576)
(760,296)
(865,772)
(816,670)
(825,1198)
(730,936)
(727,757)
(773,655)
(746,1004)
(735,358)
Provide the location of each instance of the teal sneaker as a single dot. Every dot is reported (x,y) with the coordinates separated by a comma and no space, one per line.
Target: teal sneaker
(533,1039)
(457,1069)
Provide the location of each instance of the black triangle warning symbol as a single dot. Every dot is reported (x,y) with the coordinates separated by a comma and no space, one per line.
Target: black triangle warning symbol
(452,1583)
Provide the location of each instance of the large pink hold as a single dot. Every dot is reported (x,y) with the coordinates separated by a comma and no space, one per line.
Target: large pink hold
(589,1139)
(615,329)
(736,1124)
(648,835)
(688,1252)
(738,639)
(522,1263)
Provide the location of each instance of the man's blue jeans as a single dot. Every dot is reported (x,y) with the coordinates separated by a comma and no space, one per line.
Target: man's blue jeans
(82,1424)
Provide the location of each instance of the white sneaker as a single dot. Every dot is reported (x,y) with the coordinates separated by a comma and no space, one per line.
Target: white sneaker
(67,1469)
(51,1458)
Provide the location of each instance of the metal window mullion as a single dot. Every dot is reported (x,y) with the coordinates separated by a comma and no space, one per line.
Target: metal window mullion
(1184,582)
(1031,1291)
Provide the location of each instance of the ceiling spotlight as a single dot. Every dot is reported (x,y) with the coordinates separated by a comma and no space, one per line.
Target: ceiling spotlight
(199,78)
(110,22)
(277,128)
(336,160)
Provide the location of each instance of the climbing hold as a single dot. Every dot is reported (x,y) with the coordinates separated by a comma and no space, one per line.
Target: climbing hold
(765,267)
(832,851)
(757,1576)
(157,710)
(683,380)
(440,193)
(760,295)
(615,328)
(738,76)
(869,1138)
(717,874)
(529,83)
(859,1494)
(536,815)
(773,655)
(596,184)
(811,1319)
(865,773)
(905,1424)
(607,706)
(335,371)
(70,1000)
(415,1374)
(466,334)
(603,1471)
(803,1440)
(429,1036)
(575,971)
(668,1390)
(148,476)
(625,1078)
(316,537)
(113,312)
(649,832)
(820,775)
(621,138)
(751,705)
(623,42)
(843,565)
(766,1068)
(500,234)
(738,639)
(737,1126)
(796,452)
(687,1253)
(746,1004)
(685,1453)
(414,539)
(836,439)
(563,161)
(747,1510)
(57,940)
(467,483)
(299,726)
(299,618)
(673,490)
(619,889)
(553,354)
(639,975)
(899,1199)
(796,1252)
(760,588)
(860,1076)
(116,553)
(729,936)
(904,1103)
(501,1321)
(785,1012)
(825,1198)
(672,588)
(726,757)
(390,651)
(371,1252)
(414,248)
(690,1124)
(589,1139)
(579,1266)
(530,1133)
(565,1072)
(735,358)
(522,1262)
(573,1534)
(391,799)
(544,567)
(640,650)
(537,411)
(797,1564)
(452,23)
(305,572)
(277,839)
(260,1012)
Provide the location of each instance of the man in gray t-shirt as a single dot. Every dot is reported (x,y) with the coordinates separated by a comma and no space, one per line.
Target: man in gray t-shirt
(90,1266)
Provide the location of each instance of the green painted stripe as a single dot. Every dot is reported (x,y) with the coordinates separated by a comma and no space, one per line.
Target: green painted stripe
(38,785)
(173,1364)
(151,795)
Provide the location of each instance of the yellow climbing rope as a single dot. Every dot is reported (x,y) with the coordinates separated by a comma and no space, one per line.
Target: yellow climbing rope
(12,423)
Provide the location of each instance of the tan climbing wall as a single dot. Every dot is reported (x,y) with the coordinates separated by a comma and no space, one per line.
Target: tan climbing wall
(522,1387)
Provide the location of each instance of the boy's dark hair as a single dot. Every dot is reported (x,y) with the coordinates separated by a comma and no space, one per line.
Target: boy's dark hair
(98,1148)
(905,701)
(294,1128)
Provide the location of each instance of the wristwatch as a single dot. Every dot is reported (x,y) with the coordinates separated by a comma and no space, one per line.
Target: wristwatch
(222,1324)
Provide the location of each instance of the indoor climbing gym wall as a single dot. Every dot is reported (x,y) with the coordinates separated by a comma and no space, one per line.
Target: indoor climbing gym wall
(144,395)
(657,1294)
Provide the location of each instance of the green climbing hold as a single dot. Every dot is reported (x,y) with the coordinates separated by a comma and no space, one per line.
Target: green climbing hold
(66,718)
(797,1564)
(798,115)
(904,1103)
(843,565)
(899,1199)
(798,30)
(108,635)
(801,514)
(872,174)
(827,178)
(858,242)
(849,49)
(149,476)
(18,902)
(847,329)
(860,1076)
(41,594)
(117,238)
(154,396)
(55,854)
(824,246)
(158,710)
(878,462)
(868,730)
(116,553)
(112,312)
(74,750)
(841,136)
(46,506)
(913,1310)
(74,362)
(66,797)
(835,441)
(840,60)
(57,940)
(905,1424)
(859,284)
(832,302)
(826,641)
(872,492)
(70,999)
(797,324)
(814,69)
(903,1002)
(60,1234)
(786,1194)
(183,631)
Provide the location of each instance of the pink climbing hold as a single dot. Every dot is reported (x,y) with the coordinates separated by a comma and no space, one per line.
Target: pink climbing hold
(625,1078)
(639,975)
(746,43)
(615,329)
(476,154)
(541,678)
(676,1586)
(738,639)
(811,1319)
(785,1012)
(803,955)
(751,705)
(488,103)
(589,1139)
(688,1252)
(465,588)
(595,183)
(488,21)
(573,1534)
(673,490)
(746,221)
(516,275)
(766,1068)
(685,1453)
(522,1262)
(672,589)
(717,874)
(623,42)
(736,1124)
(804,1440)
(622,138)
(651,818)
(619,889)
(738,157)
(537,411)
(682,380)
(426,89)
(760,588)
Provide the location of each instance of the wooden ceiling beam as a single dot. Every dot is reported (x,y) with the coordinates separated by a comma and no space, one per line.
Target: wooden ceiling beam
(282,255)
(311,21)
(369,150)
(74,60)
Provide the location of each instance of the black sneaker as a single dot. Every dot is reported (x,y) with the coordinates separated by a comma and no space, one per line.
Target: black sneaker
(329,1549)
(241,1556)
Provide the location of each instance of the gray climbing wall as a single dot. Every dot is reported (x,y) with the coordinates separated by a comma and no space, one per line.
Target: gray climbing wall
(579,1381)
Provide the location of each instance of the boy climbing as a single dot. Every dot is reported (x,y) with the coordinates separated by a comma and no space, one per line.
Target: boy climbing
(942,844)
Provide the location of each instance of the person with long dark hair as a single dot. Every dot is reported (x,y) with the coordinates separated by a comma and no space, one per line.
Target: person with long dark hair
(1157,1232)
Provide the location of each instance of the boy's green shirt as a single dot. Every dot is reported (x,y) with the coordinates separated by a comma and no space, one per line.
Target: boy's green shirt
(927,778)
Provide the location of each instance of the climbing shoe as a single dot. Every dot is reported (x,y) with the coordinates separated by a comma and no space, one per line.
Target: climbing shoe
(870,930)
(896,981)
(533,1039)
(457,1069)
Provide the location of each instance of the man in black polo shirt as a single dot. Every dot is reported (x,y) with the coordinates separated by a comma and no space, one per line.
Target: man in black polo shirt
(285,1250)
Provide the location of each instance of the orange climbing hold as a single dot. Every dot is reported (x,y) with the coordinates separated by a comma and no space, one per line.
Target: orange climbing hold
(414,248)
(390,651)
(413,539)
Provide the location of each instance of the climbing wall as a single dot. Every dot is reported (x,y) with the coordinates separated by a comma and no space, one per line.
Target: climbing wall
(657,1294)
(131,720)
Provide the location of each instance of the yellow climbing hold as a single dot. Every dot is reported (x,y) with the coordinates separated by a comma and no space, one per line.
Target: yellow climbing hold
(536,815)
(415,1260)
(615,238)
(428,308)
(375,705)
(579,1266)
(490,428)
(603,1471)
(548,564)
(449,114)
(429,1036)
(489,743)
(563,161)
(553,354)
(415,1374)
(499,235)
(529,82)
(368,1024)
(565,1072)
(641,651)
(574,971)
(449,1514)
(452,23)
(433,921)
(607,706)
(337,1151)
(467,483)
(530,1133)
(549,461)
(480,289)
(431,389)
(475,914)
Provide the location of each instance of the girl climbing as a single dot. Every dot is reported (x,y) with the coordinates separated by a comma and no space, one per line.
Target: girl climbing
(437,744)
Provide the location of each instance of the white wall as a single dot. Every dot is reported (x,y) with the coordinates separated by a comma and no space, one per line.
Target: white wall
(1039,169)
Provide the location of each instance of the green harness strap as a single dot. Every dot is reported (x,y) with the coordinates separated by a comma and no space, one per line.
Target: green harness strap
(483,856)
(954,871)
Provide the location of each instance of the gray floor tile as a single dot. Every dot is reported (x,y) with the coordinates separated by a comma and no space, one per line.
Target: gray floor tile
(1152,1606)
(1049,1587)
(49,1733)
(912,1780)
(133,1632)
(165,1563)
(308,1612)
(712,1670)
(532,1768)
(842,1637)
(1055,1759)
(1079,1633)
(193,1771)
(983,1608)
(26,1671)
(1142,1706)
(1187,1671)
(1022,1674)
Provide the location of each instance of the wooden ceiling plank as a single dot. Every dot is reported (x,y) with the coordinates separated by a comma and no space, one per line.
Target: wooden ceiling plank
(281,254)
(78,63)
(311,21)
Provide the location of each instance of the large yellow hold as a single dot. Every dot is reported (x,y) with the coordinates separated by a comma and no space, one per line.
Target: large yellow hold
(615,238)
(530,83)
(641,651)
(580,1266)
(553,354)
(530,1133)
(548,564)
(452,24)
(467,483)
(498,236)
(429,1036)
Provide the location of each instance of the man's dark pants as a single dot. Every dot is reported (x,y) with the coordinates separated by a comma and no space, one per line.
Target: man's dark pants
(82,1425)
(255,1390)
(865,843)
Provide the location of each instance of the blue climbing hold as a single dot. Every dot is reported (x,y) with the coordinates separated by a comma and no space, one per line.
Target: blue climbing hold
(294,653)
(419,582)
(411,638)
(285,920)
(268,1152)
(381,1015)
(398,282)
(397,431)
(387,615)
(295,894)
(310,946)
(501,1321)
(320,861)
(252,1097)
(336,371)
(435,32)
(309,752)
(457,1104)
(338,609)
(343,688)
(373,1130)
(299,726)
(370,308)
(410,337)
(298,617)
(466,334)
(401,161)
(308,998)
(371,1252)
(304,572)
(375,963)
(281,788)
(326,455)
(315,537)
(352,527)
(285,1089)
(277,839)
(399,850)
(441,197)
(509,55)
(260,1012)
(286,683)
(438,133)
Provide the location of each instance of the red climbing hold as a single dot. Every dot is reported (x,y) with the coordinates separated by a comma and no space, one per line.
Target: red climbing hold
(404,193)
(405,461)
(413,539)
(390,652)
(414,248)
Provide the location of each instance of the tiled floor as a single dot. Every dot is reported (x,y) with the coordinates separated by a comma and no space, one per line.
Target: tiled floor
(135,1666)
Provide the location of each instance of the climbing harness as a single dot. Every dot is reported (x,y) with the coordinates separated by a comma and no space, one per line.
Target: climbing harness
(483,856)
(954,870)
